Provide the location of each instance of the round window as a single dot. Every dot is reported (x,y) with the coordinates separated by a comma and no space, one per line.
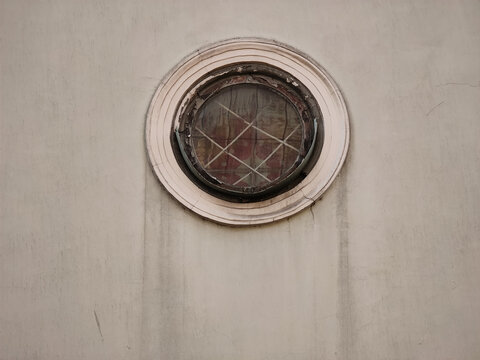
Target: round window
(247,131)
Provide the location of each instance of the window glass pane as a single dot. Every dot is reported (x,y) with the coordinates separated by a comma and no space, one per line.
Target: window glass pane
(247,135)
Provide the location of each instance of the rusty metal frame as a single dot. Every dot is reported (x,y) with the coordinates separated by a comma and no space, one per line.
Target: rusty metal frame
(262,75)
(175,91)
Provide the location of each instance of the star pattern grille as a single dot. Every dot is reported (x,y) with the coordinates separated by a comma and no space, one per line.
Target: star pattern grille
(247,136)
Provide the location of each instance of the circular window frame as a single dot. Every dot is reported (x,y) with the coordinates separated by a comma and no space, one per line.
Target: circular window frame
(176,89)
(278,82)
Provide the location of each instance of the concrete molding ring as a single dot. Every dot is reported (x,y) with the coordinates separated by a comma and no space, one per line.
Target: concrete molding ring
(162,117)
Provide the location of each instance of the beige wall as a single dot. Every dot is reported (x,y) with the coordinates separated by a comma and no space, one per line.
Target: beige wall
(97,261)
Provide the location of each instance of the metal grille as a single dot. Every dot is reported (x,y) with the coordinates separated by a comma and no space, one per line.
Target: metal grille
(247,136)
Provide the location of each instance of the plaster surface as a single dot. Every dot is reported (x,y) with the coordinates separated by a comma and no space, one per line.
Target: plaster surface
(98,261)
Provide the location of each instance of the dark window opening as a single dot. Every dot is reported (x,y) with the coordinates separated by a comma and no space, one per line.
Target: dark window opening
(248,132)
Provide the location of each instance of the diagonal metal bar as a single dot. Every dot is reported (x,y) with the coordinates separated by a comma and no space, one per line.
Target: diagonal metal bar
(257,128)
(231,143)
(275,150)
(268,157)
(241,179)
(238,136)
(233,156)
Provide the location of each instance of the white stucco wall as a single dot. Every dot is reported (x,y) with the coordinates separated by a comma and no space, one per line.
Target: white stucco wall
(98,261)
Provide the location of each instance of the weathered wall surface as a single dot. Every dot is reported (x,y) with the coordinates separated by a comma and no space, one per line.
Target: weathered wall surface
(97,261)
